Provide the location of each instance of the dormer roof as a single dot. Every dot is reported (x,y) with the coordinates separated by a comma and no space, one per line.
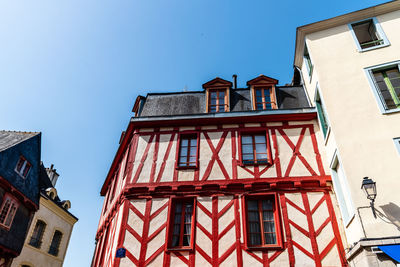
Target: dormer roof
(216,83)
(262,80)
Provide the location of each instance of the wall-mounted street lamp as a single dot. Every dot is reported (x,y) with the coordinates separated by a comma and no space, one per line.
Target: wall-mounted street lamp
(369,187)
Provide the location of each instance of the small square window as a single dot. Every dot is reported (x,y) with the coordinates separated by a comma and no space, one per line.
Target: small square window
(263,226)
(386,81)
(181,224)
(254,148)
(23,167)
(188,151)
(368,34)
(7,212)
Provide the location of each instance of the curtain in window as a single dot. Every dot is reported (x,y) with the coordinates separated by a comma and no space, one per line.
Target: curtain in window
(188,224)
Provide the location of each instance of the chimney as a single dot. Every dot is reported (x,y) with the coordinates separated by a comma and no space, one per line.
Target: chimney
(53,175)
(234,76)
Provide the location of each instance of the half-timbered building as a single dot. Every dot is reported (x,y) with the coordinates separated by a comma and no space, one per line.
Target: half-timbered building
(224,176)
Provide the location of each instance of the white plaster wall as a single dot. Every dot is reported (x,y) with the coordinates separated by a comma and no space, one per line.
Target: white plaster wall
(40,257)
(359,131)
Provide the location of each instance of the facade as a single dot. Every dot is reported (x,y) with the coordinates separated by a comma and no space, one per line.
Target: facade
(225,176)
(19,189)
(49,234)
(356,89)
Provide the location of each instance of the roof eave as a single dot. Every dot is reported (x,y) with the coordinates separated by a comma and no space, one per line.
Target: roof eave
(373,11)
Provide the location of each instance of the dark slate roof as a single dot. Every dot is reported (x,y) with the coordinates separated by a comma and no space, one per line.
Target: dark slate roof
(11,138)
(186,103)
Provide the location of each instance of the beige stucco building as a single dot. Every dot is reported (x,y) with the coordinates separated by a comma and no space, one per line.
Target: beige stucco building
(50,231)
(350,68)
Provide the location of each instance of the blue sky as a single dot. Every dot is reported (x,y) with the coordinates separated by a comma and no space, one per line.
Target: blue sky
(72,70)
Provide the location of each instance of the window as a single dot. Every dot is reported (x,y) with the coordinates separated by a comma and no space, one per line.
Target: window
(263,228)
(386,81)
(254,148)
(262,97)
(38,231)
(23,167)
(397,143)
(218,101)
(188,151)
(368,34)
(307,60)
(342,190)
(321,113)
(55,243)
(7,212)
(181,224)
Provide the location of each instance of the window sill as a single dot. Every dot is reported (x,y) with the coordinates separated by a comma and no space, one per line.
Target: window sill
(7,228)
(269,247)
(180,249)
(328,133)
(242,164)
(395,110)
(360,50)
(179,168)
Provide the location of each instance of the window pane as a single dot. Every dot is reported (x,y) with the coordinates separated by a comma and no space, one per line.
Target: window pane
(268,216)
(177,229)
(254,216)
(247,149)
(260,106)
(193,142)
(175,241)
(184,142)
(252,205)
(269,227)
(213,109)
(270,238)
(183,151)
(258,93)
(254,227)
(366,33)
(246,139)
(10,215)
(4,211)
(261,148)
(260,139)
(267,204)
(255,239)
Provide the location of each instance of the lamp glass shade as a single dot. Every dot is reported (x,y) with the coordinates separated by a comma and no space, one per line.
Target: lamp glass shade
(369,187)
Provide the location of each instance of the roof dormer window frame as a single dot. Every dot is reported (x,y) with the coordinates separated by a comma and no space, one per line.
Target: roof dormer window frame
(263,88)
(213,90)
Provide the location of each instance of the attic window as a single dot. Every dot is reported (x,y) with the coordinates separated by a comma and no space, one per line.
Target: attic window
(217,101)
(217,95)
(263,92)
(23,167)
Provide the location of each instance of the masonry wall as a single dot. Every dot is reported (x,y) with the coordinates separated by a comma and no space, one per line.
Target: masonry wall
(360,133)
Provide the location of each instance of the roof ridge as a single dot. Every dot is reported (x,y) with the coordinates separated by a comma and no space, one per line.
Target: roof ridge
(22,132)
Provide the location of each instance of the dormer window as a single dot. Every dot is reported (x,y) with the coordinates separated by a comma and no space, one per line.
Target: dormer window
(217,101)
(23,167)
(217,95)
(263,93)
(262,97)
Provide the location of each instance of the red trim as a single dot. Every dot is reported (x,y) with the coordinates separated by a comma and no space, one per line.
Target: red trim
(166,155)
(268,144)
(155,156)
(215,156)
(146,226)
(187,136)
(278,228)
(133,125)
(142,160)
(171,220)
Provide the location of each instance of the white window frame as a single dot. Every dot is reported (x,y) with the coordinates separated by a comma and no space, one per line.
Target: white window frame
(378,29)
(317,95)
(310,69)
(22,170)
(397,143)
(375,89)
(341,187)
